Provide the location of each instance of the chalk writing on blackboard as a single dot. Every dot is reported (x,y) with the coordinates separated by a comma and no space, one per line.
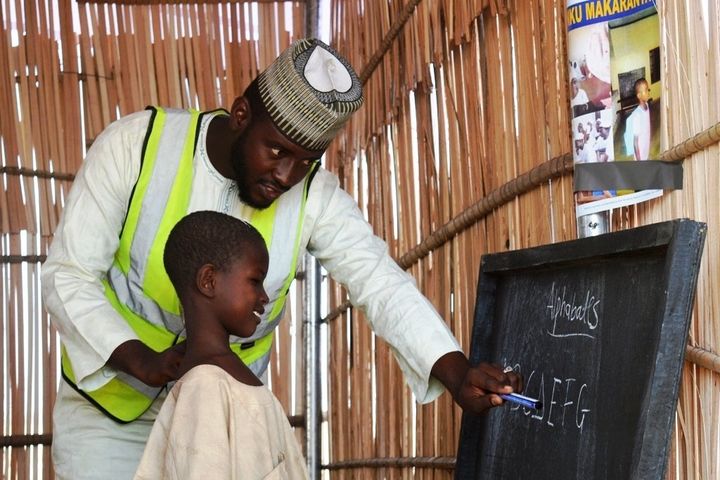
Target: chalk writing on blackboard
(565,310)
(565,400)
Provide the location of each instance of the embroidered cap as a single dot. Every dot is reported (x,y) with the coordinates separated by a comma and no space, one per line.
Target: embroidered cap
(310,91)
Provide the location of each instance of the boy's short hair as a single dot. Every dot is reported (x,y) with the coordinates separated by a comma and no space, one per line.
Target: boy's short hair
(207,237)
(639,82)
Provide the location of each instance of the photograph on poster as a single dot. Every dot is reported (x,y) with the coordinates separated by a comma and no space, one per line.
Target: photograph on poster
(592,142)
(593,137)
(589,67)
(636,85)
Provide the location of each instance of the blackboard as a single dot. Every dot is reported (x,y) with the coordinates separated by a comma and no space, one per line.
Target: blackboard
(598,329)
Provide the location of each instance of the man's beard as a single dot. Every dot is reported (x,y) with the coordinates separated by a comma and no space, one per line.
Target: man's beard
(239,165)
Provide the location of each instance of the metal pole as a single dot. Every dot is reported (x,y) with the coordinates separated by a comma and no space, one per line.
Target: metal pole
(311,319)
(312,17)
(311,335)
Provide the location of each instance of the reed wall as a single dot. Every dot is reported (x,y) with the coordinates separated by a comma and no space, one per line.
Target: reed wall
(462,148)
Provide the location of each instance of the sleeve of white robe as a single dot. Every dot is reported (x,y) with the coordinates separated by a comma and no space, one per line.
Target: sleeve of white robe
(346,246)
(84,247)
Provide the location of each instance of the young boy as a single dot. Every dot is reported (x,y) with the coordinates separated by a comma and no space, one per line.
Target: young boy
(637,127)
(219,421)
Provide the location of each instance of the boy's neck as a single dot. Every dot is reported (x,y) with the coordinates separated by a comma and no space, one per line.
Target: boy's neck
(226,360)
(208,346)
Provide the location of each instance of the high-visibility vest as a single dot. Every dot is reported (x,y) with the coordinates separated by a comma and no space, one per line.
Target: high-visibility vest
(137,284)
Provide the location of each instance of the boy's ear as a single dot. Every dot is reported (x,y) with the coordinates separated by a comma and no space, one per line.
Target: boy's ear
(240,114)
(205,280)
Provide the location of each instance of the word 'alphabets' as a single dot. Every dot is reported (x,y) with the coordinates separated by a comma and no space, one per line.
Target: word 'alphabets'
(572,315)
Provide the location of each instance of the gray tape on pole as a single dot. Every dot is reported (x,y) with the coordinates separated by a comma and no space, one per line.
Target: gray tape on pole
(630,175)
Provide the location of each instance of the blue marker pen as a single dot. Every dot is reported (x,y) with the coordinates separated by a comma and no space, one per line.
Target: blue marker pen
(522,400)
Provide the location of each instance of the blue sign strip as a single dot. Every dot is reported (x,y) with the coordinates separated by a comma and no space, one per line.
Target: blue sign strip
(596,11)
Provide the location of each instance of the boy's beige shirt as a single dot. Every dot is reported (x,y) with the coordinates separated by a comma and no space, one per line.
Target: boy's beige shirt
(212,426)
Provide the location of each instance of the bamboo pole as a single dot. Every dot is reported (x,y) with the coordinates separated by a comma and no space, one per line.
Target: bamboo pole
(188,48)
(93,111)
(401,462)
(703,358)
(150,79)
(172,55)
(47,73)
(126,61)
(99,43)
(23,53)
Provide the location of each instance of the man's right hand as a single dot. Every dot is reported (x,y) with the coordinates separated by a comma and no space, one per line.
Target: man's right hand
(150,367)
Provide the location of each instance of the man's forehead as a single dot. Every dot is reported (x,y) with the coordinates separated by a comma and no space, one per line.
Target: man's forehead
(270,134)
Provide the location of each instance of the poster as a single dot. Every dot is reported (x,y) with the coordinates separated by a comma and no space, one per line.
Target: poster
(615,86)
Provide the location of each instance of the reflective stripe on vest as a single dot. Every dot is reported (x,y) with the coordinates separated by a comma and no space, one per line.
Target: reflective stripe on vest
(137,284)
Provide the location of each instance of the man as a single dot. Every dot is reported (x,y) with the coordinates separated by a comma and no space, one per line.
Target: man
(579,100)
(604,150)
(114,306)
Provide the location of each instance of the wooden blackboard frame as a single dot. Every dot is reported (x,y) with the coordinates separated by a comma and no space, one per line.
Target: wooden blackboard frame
(680,243)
